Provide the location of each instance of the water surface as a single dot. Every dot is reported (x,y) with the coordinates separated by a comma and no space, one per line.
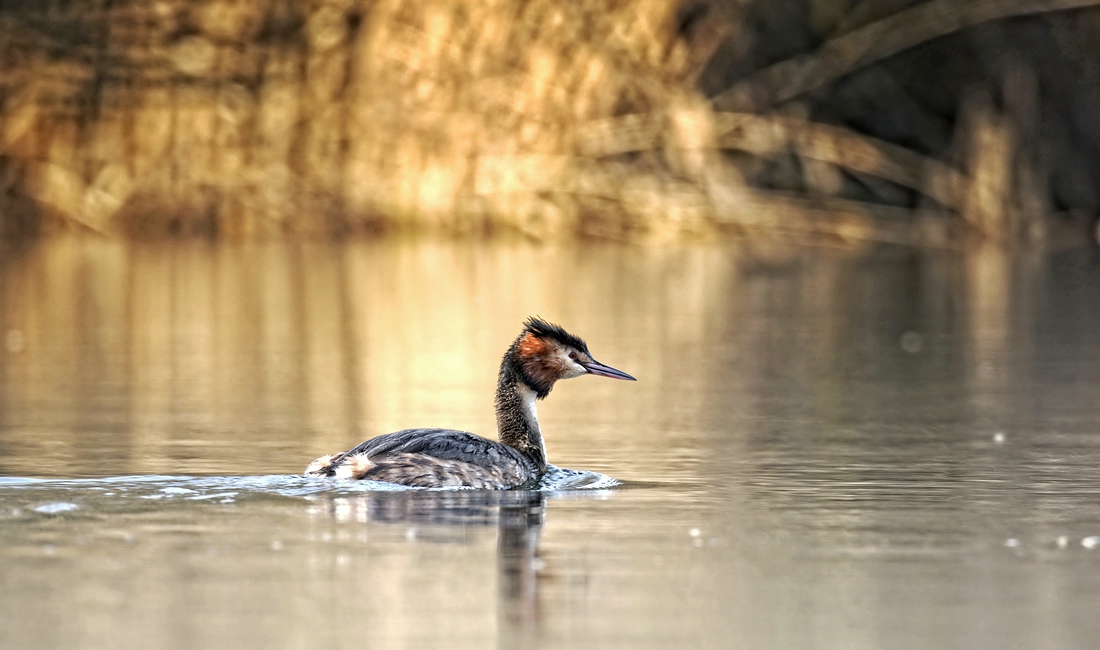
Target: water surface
(825,448)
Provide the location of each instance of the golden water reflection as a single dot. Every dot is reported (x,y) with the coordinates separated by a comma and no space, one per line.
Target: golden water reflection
(217,359)
(831,446)
(203,359)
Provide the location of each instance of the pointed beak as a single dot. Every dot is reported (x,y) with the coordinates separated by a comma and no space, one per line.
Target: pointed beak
(596,368)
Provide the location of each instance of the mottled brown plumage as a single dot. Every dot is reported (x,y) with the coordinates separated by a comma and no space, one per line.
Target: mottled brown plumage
(542,355)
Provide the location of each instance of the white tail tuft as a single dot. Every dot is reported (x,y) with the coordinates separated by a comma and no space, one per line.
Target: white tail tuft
(354,466)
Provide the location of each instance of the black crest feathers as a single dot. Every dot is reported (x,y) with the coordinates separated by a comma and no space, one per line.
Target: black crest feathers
(545,330)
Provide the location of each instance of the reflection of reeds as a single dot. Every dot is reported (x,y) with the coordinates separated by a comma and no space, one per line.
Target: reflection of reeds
(255,359)
(186,358)
(190,359)
(287,117)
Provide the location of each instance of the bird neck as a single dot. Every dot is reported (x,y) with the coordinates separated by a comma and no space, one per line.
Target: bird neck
(517,419)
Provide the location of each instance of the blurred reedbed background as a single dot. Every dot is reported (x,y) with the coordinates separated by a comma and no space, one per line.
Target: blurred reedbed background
(933,122)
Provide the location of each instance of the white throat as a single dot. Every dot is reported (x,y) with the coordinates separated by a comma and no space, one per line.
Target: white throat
(530,413)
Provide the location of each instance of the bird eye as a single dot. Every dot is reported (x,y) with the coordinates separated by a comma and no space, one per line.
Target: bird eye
(573,356)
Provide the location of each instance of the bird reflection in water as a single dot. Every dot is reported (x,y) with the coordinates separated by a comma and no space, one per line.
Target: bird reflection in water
(430,514)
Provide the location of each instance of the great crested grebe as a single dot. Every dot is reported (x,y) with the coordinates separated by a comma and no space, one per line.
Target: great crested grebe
(541,355)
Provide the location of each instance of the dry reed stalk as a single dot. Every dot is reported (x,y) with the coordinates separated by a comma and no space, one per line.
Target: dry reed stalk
(990,147)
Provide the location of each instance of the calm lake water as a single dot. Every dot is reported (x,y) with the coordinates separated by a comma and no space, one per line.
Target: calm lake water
(826,448)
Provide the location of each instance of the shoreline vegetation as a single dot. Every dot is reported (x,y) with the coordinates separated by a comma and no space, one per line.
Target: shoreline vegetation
(936,123)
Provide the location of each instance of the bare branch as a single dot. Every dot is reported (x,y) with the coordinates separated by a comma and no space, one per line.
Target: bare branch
(875,42)
(842,218)
(770,135)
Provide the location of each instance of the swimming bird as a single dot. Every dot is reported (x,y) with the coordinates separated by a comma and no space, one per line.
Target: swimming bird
(542,355)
